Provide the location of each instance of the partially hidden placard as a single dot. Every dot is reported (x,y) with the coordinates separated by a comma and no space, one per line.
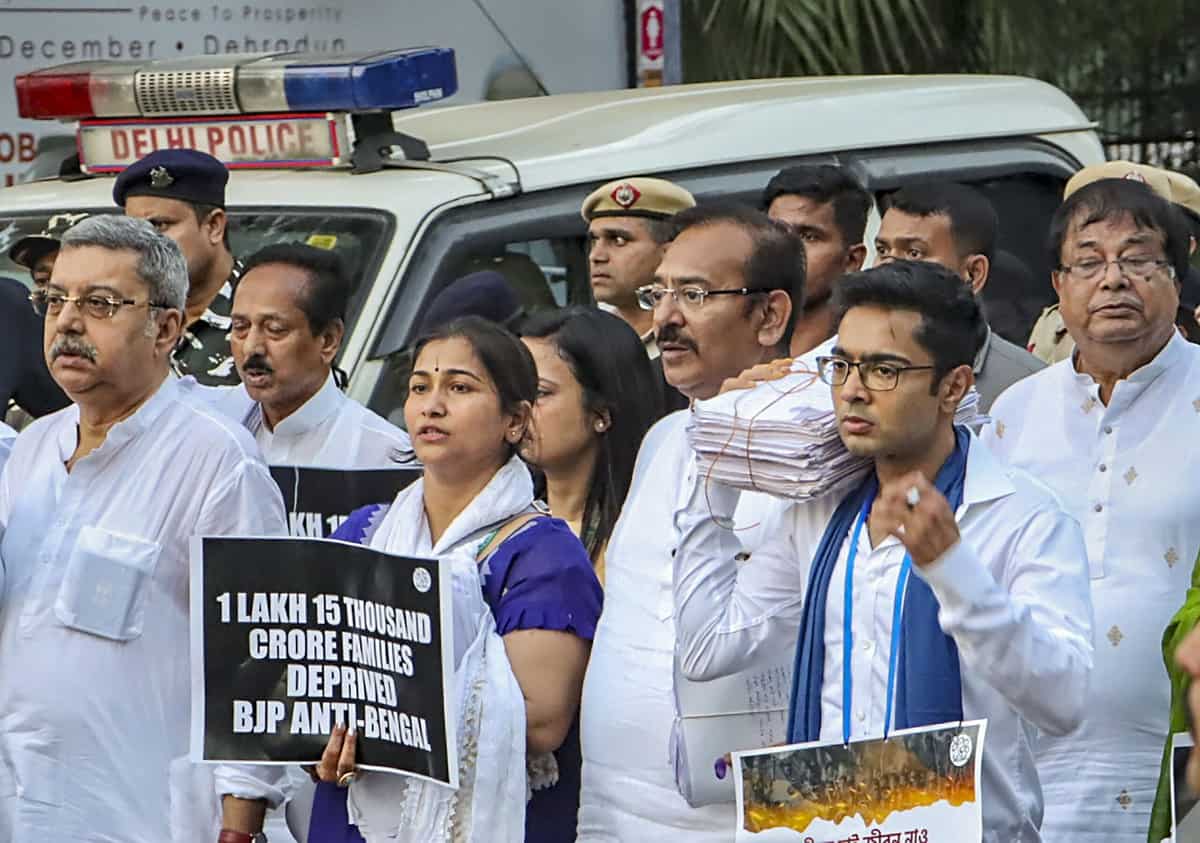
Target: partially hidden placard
(917,786)
(318,500)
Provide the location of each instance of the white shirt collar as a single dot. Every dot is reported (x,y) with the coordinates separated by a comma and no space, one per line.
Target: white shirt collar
(1138,380)
(126,429)
(312,413)
(987,477)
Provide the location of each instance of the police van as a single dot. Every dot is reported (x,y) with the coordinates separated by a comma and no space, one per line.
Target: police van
(339,152)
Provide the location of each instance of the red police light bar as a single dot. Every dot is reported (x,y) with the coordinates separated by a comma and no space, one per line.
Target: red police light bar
(65,96)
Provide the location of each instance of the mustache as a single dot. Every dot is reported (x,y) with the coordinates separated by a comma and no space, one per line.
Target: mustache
(72,344)
(257,362)
(673,334)
(1125,301)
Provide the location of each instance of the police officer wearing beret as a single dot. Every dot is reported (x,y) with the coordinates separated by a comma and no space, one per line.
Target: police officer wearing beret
(182,193)
(628,230)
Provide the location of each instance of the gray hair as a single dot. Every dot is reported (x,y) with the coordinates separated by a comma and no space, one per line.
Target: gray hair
(160,265)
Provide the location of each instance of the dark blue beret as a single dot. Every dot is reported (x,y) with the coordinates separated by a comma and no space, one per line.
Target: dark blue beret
(487,294)
(185,174)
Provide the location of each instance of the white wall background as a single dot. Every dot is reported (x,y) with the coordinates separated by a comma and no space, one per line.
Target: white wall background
(571,45)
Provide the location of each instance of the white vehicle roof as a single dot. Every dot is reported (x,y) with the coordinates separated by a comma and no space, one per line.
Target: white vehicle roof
(573,138)
(585,138)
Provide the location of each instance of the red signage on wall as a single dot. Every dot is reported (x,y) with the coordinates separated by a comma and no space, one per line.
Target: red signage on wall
(651,30)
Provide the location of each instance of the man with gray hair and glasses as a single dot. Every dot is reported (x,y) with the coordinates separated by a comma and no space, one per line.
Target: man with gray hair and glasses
(97,505)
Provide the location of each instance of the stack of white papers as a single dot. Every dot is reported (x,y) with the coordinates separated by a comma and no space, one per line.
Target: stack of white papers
(781,438)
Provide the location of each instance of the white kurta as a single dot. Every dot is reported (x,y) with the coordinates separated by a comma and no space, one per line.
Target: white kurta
(1013,595)
(94,704)
(7,435)
(330,430)
(1128,473)
(628,713)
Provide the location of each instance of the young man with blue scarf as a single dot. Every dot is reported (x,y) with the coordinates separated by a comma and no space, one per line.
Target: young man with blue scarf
(945,586)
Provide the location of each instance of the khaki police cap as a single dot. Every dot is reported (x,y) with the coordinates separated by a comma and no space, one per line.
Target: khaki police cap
(1174,187)
(637,197)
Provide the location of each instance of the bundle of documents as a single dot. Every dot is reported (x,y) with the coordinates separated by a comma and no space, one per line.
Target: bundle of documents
(781,437)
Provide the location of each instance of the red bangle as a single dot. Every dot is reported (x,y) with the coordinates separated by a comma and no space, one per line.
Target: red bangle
(230,836)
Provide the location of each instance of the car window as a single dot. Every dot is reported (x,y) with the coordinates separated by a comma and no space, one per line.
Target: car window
(1019,285)
(358,236)
(546,273)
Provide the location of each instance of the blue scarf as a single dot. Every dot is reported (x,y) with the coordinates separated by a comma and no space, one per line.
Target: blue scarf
(928,683)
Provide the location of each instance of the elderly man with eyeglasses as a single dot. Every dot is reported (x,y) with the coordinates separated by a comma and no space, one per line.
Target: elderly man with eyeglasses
(720,303)
(1112,430)
(98,503)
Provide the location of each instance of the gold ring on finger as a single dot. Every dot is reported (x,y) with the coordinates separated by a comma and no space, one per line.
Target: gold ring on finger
(346,779)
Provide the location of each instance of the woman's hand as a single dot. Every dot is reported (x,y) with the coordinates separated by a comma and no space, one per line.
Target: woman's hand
(337,761)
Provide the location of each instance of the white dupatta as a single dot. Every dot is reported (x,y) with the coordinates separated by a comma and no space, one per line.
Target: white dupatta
(489,805)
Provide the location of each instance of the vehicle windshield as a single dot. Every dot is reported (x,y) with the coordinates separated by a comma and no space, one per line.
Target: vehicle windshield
(359,236)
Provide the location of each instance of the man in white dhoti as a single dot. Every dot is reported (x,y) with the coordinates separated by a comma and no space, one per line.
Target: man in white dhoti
(1110,430)
(97,506)
(720,306)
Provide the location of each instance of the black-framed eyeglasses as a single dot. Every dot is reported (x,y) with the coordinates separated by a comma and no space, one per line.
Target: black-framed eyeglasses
(875,376)
(1137,268)
(692,297)
(95,305)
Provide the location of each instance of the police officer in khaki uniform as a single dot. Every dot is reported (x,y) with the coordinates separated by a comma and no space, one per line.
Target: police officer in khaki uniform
(628,230)
(182,193)
(1049,339)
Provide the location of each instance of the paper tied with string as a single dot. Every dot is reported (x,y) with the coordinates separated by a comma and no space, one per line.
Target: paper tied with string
(781,437)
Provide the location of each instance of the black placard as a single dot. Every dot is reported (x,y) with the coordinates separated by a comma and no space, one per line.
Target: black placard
(318,500)
(291,635)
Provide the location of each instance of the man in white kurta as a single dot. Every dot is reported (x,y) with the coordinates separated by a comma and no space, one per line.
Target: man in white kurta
(1009,576)
(330,430)
(97,507)
(288,320)
(1112,431)
(1014,600)
(628,717)
(287,325)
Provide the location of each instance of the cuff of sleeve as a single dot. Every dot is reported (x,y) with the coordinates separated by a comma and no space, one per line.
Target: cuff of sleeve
(251,782)
(957,578)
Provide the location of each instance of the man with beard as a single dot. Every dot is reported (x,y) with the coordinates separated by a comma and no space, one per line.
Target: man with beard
(98,504)
(288,320)
(182,193)
(828,208)
(720,304)
(985,572)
